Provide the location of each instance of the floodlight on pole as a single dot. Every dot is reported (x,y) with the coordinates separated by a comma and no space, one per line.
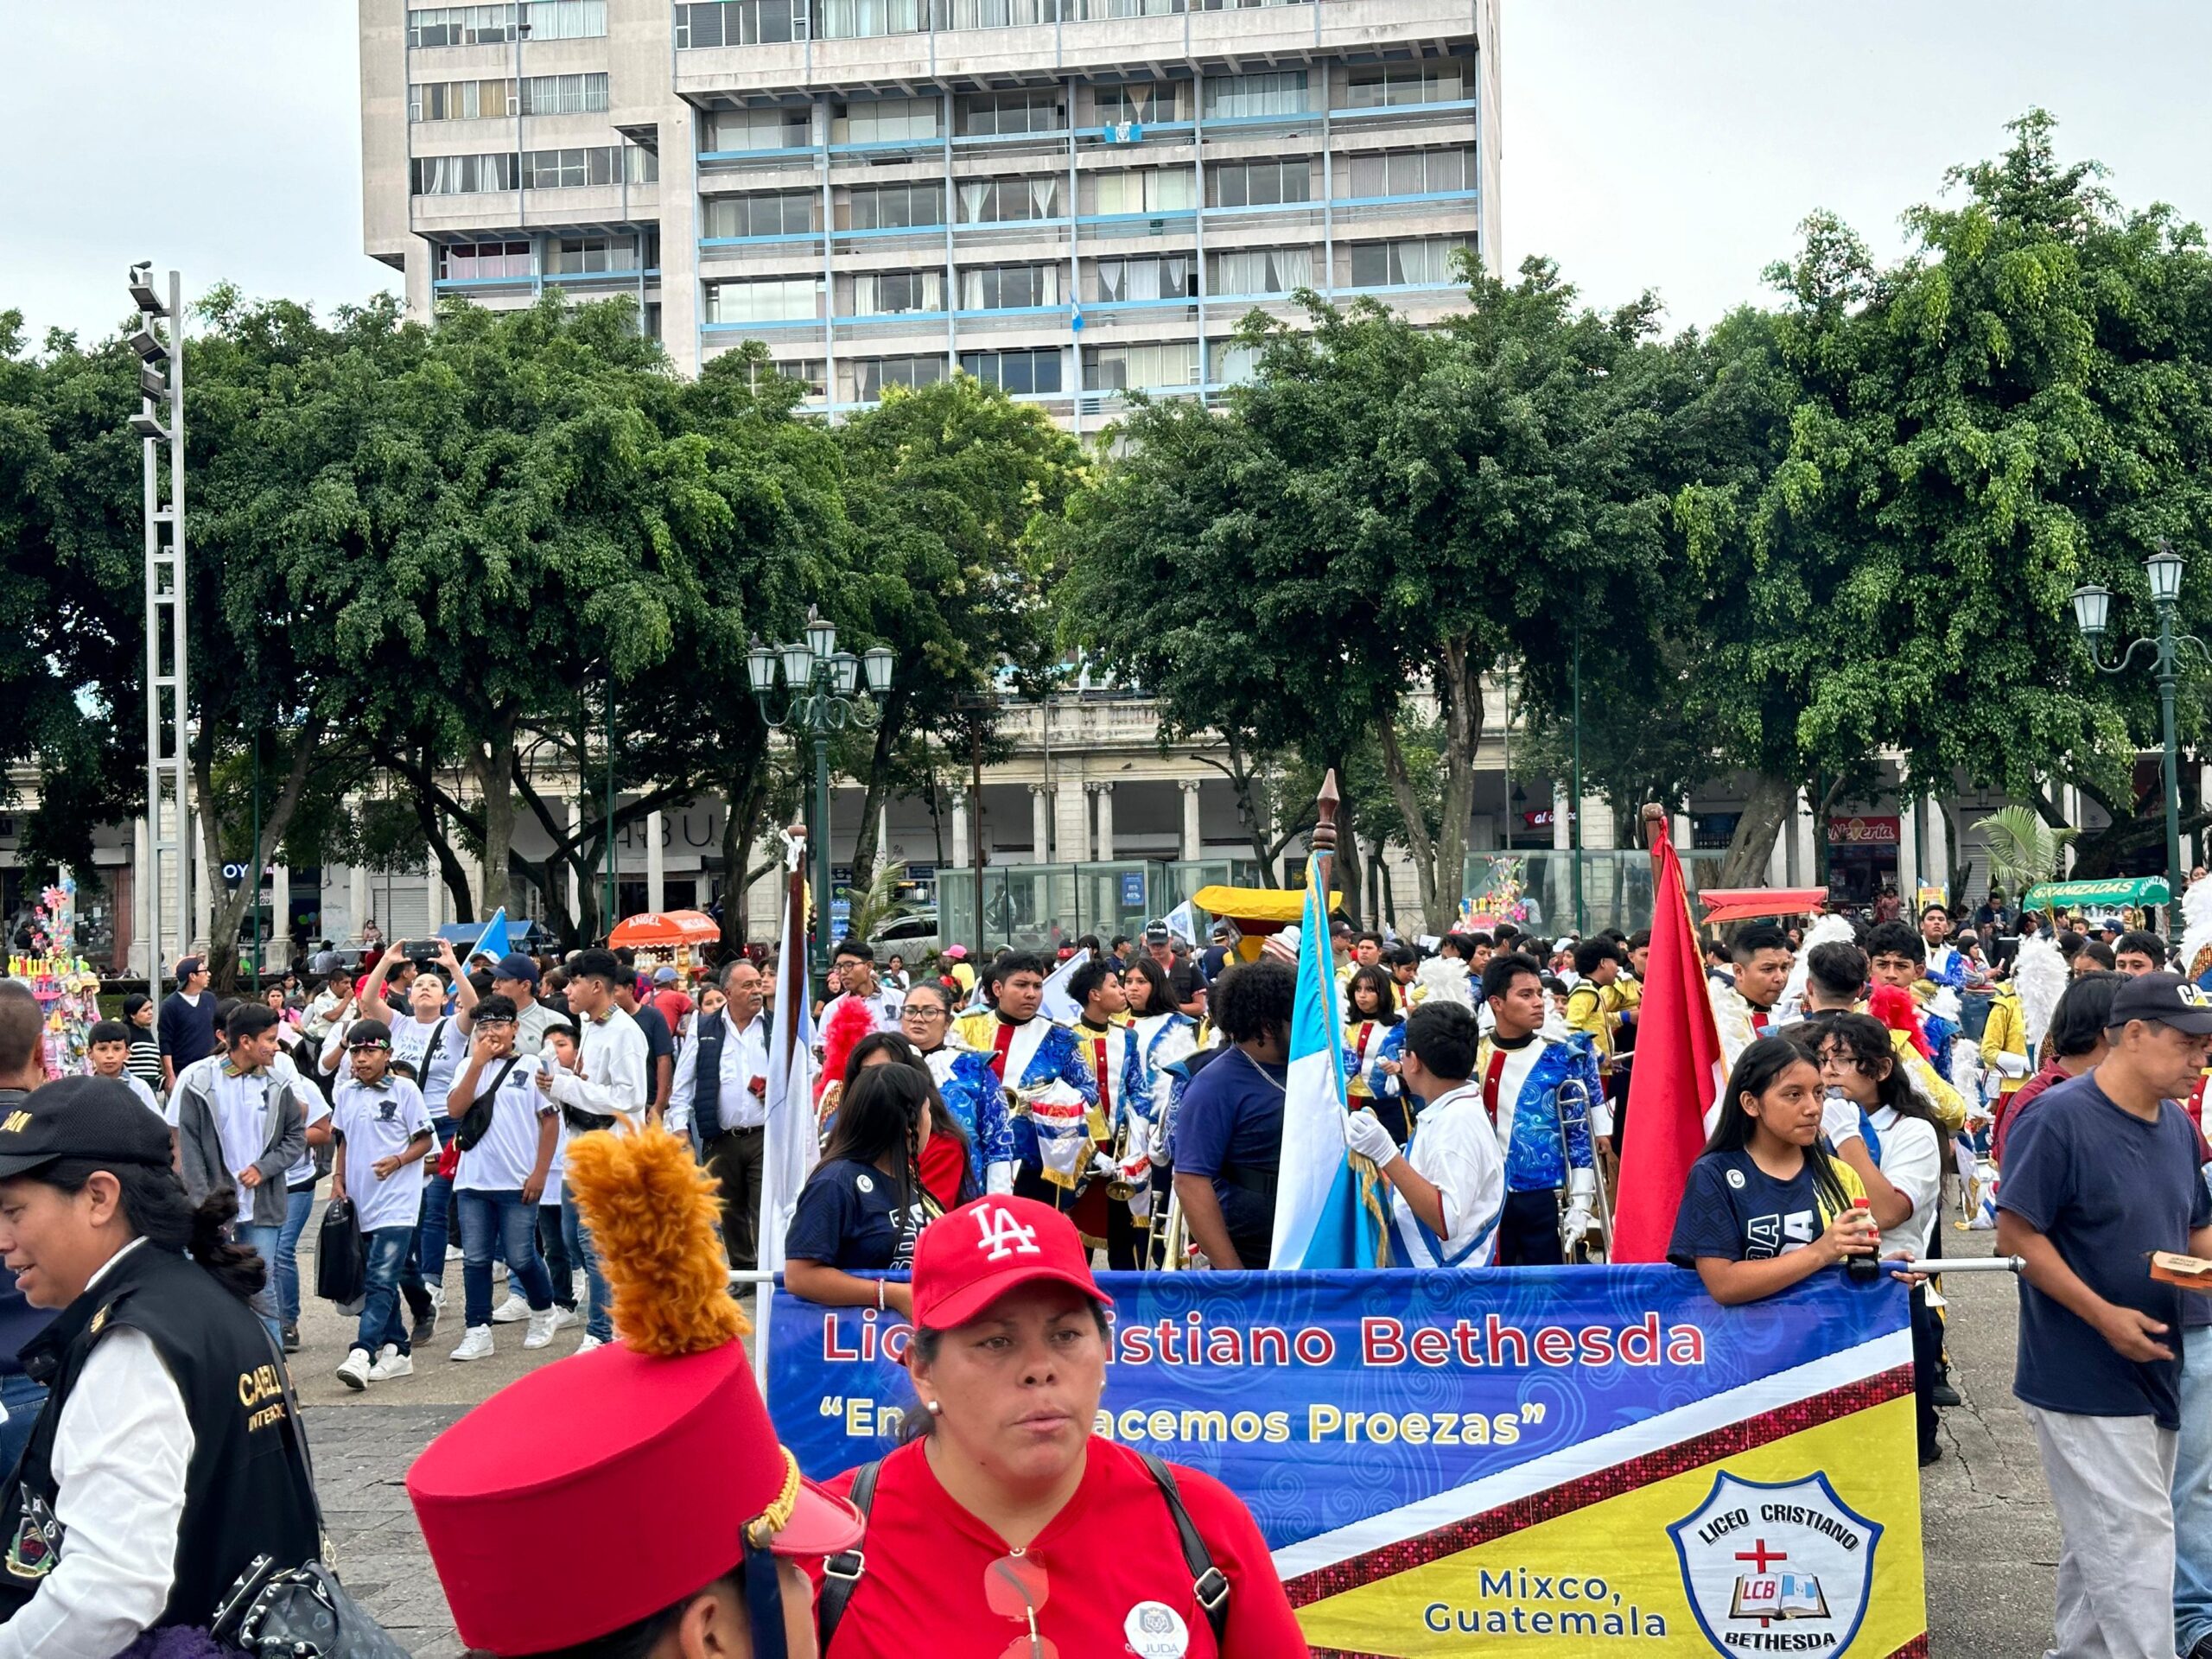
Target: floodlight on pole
(141,290)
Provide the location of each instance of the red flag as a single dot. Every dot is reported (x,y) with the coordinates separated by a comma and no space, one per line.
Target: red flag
(1677,1075)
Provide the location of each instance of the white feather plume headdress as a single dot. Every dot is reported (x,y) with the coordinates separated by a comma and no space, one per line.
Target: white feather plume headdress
(1444,979)
(2040,979)
(1828,930)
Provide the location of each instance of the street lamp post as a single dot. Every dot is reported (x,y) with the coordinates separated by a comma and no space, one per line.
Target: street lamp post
(2092,611)
(819,686)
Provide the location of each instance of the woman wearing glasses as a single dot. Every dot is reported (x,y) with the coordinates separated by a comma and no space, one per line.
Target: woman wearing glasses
(970,1092)
(1008,1529)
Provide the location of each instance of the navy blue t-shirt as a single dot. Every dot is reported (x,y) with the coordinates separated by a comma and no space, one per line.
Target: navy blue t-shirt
(1734,1210)
(846,1216)
(1231,1119)
(2107,1188)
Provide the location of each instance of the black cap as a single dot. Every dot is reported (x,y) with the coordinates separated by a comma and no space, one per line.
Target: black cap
(1156,933)
(2167,998)
(97,1119)
(368,1033)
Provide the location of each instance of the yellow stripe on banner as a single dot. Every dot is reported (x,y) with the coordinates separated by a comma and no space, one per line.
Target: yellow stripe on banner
(1606,1579)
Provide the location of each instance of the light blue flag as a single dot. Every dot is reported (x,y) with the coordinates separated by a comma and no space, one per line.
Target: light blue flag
(1325,1217)
(492,942)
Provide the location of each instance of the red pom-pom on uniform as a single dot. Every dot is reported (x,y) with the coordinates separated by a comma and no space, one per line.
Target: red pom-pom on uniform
(1895,1007)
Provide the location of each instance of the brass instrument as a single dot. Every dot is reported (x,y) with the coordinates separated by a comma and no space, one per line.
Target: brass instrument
(1575,1100)
(1121,1189)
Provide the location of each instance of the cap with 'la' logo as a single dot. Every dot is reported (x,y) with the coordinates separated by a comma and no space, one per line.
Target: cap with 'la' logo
(967,1260)
(97,1119)
(2166,999)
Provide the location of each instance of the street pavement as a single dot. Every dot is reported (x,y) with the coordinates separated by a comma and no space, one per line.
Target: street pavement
(1992,1541)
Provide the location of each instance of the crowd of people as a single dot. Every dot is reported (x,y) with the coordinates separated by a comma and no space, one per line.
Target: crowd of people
(1122,1102)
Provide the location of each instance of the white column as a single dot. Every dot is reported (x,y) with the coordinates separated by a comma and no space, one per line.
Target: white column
(575,887)
(1803,830)
(2070,802)
(1685,833)
(203,901)
(882,834)
(1777,863)
(1071,821)
(656,863)
(1194,835)
(145,894)
(1597,823)
(1939,845)
(1105,793)
(961,856)
(433,891)
(1040,827)
(280,914)
(1908,849)
(1563,828)
(356,898)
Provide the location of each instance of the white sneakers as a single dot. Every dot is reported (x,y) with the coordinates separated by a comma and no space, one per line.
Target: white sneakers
(355,1370)
(513,1311)
(588,1344)
(475,1344)
(564,1317)
(391,1363)
(541,1328)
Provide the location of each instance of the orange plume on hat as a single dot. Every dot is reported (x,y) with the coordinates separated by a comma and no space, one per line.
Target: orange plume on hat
(652,1212)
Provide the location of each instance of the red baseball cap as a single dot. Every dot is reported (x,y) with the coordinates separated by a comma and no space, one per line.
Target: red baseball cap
(613,1444)
(967,1260)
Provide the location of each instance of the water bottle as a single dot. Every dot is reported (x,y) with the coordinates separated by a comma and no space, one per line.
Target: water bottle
(1862,1265)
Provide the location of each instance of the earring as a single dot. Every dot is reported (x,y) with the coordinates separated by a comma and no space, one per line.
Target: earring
(934,1407)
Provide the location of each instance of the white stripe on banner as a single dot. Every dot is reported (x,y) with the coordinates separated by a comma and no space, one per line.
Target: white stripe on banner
(1587,1457)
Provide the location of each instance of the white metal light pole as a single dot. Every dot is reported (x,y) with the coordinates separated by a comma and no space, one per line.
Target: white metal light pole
(166,707)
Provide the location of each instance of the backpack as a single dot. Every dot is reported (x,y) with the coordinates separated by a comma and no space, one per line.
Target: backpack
(841,1573)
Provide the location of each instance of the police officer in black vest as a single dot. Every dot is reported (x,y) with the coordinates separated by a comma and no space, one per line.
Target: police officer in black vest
(162,1462)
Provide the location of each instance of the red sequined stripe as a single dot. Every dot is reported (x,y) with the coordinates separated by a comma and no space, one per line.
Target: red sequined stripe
(1916,1648)
(1724,1442)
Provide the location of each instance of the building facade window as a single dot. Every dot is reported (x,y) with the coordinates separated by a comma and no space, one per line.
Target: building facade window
(545,20)
(768,299)
(740,22)
(592,256)
(884,121)
(894,206)
(1144,102)
(1147,190)
(853,20)
(461,100)
(564,94)
(480,262)
(1154,276)
(788,212)
(1230,97)
(1016,372)
(1127,368)
(767,129)
(1417,260)
(1041,110)
(463,176)
(1010,288)
(1406,83)
(998,201)
(1406,173)
(888,293)
(1258,184)
(871,374)
(1262,271)
(574,169)
(1008,14)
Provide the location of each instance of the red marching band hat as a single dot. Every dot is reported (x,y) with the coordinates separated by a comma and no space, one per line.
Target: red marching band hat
(664,1433)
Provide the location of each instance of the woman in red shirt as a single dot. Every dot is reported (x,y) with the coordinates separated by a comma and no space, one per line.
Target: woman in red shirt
(1008,1530)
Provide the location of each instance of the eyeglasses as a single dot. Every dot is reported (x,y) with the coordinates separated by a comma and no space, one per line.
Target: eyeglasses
(1843,1062)
(1015,1587)
(922,1011)
(492,1022)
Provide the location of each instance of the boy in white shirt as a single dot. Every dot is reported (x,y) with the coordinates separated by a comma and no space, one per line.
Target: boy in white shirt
(383,1129)
(1447,1187)
(108,1047)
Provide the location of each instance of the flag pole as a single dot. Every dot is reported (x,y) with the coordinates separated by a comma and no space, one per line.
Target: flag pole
(792,989)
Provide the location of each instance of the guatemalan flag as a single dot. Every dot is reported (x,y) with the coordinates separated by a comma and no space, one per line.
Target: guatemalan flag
(1326,1212)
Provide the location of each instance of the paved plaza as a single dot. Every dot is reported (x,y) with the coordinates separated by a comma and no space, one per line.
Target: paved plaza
(1992,1541)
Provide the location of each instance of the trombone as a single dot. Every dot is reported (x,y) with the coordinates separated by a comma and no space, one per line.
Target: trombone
(1574,1103)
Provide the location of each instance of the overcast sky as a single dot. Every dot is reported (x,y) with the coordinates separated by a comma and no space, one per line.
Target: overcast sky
(1669,144)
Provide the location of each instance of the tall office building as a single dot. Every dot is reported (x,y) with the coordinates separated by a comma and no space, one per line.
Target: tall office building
(1068,198)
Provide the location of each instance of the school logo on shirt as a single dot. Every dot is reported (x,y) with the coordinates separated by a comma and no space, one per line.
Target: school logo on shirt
(1004,1234)
(1788,1558)
(1156,1630)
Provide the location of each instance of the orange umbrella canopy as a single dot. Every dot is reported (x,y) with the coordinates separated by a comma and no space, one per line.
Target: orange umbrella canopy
(676,927)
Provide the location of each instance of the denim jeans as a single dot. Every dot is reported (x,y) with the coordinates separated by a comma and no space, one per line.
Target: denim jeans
(435,1229)
(264,1240)
(299,1204)
(505,1220)
(381,1323)
(553,1247)
(24,1399)
(577,1236)
(2193,1494)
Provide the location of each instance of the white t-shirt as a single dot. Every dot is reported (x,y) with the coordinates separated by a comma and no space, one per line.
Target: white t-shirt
(377,1122)
(302,1170)
(502,1160)
(1912,1161)
(410,1041)
(1454,1147)
(146,1096)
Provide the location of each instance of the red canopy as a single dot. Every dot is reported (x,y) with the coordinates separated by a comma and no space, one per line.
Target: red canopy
(1740,903)
(676,927)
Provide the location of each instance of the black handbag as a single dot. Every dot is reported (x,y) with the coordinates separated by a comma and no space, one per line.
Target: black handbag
(341,1259)
(476,1122)
(298,1612)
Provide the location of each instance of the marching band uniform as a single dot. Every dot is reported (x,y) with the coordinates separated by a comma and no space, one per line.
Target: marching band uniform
(1051,1096)
(1594,1010)
(970,1091)
(1519,1082)
(2005,1042)
(1455,1148)
(1368,1044)
(1741,1022)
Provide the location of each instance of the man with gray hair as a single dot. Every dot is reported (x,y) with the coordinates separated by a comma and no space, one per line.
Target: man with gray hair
(23,1068)
(721,1092)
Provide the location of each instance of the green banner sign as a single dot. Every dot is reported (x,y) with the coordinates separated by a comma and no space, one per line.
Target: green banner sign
(2136,890)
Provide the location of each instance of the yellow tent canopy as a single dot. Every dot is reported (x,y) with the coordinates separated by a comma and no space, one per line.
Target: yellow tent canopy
(1243,904)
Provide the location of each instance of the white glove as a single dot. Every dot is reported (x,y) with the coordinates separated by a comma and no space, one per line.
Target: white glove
(1582,1190)
(1840,1121)
(2012,1065)
(1364,1135)
(998,1180)
(1578,1221)
(1104,1167)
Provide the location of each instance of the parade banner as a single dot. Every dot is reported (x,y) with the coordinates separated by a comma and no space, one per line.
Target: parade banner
(1563,1460)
